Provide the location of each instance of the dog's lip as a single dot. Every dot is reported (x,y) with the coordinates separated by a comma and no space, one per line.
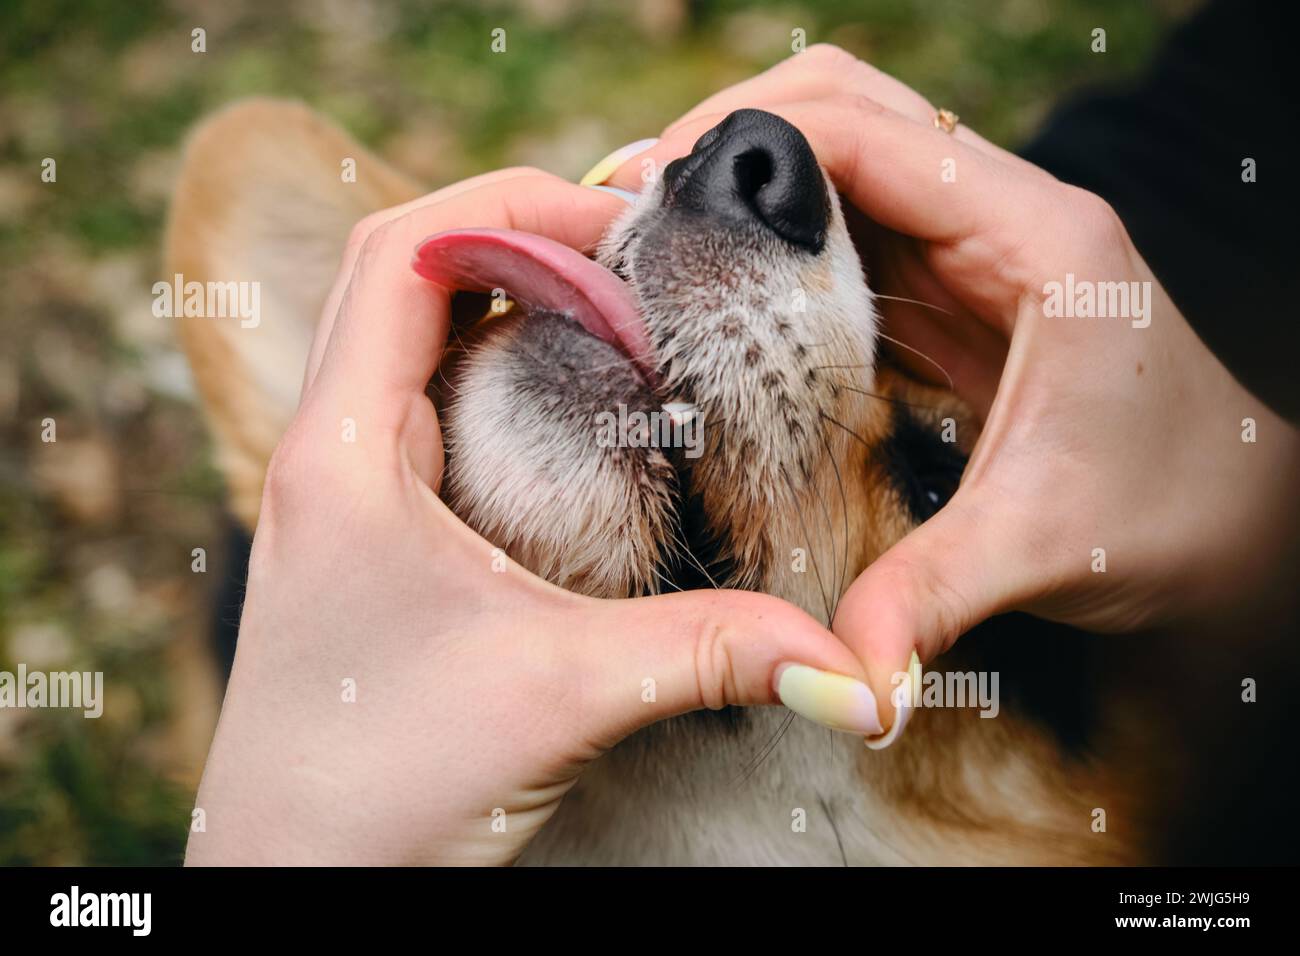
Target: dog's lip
(540,273)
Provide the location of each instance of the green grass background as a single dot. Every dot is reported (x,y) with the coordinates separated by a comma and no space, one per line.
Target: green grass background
(96,529)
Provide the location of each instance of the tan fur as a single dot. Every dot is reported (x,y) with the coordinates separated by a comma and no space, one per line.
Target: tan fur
(229,221)
(260,197)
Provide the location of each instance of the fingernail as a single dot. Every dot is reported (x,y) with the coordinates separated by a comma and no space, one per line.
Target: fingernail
(903,710)
(606,167)
(623,194)
(831,700)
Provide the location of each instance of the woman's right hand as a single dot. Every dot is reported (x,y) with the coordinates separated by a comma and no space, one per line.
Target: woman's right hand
(1112,485)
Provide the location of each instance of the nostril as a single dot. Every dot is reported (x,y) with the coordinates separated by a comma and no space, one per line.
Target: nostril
(788,199)
(753,171)
(754,167)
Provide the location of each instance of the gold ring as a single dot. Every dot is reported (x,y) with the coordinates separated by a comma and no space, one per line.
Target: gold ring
(946,120)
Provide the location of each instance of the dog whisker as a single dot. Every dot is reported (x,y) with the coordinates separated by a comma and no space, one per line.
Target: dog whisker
(904,345)
(844,511)
(830,532)
(812,552)
(686,549)
(662,577)
(865,444)
(899,298)
(883,398)
(765,751)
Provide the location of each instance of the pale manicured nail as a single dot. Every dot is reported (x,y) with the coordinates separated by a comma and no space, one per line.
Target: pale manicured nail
(831,700)
(902,713)
(623,194)
(607,166)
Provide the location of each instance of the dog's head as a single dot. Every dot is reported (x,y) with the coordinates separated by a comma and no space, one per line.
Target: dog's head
(705,405)
(701,407)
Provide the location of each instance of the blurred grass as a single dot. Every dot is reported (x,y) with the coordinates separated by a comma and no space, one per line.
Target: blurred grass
(96,530)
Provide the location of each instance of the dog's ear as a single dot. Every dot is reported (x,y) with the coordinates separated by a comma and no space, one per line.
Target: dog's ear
(268,193)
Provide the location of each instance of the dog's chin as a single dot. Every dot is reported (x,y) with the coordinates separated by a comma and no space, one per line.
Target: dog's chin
(534,469)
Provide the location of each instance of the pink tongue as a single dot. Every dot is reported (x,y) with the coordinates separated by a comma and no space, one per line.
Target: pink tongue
(540,273)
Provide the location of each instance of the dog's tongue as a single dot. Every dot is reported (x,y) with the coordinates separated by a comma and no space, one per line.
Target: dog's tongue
(539,273)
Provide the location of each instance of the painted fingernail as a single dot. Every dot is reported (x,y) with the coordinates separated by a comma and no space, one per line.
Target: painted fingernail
(906,692)
(623,194)
(831,700)
(607,166)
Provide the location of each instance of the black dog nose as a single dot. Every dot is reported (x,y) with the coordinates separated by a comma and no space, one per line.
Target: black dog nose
(754,166)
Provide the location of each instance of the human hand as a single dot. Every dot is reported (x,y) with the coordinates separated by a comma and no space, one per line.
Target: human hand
(1107,443)
(394,698)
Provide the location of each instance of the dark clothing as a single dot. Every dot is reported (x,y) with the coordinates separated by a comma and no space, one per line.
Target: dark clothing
(1168,154)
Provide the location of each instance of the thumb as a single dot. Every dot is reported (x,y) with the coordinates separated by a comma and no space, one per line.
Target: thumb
(916,599)
(647,659)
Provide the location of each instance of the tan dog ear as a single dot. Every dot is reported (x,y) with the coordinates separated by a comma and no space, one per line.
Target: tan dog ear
(268,193)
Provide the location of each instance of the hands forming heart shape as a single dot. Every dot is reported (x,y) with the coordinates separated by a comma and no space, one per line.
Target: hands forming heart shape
(498,688)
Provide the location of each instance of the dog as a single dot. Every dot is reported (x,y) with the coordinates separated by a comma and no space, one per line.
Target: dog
(813,455)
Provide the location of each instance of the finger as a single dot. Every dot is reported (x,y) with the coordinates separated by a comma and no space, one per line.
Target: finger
(653,658)
(825,71)
(361,232)
(891,169)
(391,324)
(921,595)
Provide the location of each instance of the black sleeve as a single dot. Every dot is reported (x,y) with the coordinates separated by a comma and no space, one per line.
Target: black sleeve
(1168,153)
